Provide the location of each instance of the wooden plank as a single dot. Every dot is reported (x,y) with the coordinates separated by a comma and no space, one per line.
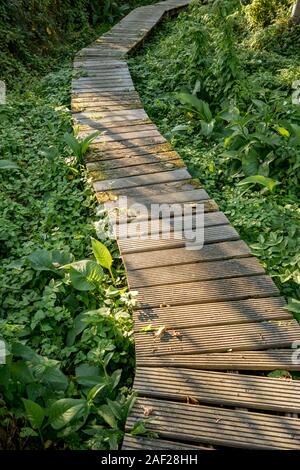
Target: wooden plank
(134,170)
(217,426)
(219,313)
(158,189)
(93,118)
(164,227)
(125,144)
(107,126)
(88,74)
(180,256)
(138,160)
(142,180)
(110,116)
(218,388)
(144,443)
(102,90)
(193,196)
(106,96)
(118,132)
(111,154)
(222,338)
(221,269)
(213,234)
(129,213)
(100,82)
(271,359)
(114,136)
(105,107)
(207,291)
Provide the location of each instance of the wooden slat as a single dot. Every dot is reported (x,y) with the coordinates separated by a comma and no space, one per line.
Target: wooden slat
(132,181)
(271,359)
(217,426)
(207,291)
(214,234)
(139,160)
(134,170)
(219,313)
(109,154)
(158,189)
(115,136)
(218,388)
(161,227)
(144,443)
(192,196)
(180,256)
(221,269)
(127,143)
(223,338)
(107,125)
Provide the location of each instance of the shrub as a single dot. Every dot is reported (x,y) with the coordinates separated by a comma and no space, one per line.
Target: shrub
(262,13)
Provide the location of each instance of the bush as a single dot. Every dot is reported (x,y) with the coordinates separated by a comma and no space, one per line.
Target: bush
(262,13)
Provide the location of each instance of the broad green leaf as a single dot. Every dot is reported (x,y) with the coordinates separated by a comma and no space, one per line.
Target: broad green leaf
(180,128)
(28,432)
(63,411)
(85,275)
(207,127)
(53,376)
(8,165)
(25,352)
(88,376)
(283,131)
(139,428)
(43,260)
(116,408)
(73,143)
(199,105)
(89,381)
(20,372)
(280,374)
(85,143)
(115,378)
(293,305)
(108,416)
(85,370)
(102,255)
(250,163)
(259,179)
(34,413)
(95,390)
(206,112)
(78,328)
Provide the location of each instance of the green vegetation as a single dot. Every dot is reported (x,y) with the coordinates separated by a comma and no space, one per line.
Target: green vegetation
(65,307)
(218,82)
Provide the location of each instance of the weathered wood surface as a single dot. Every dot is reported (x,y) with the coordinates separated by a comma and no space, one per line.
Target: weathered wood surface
(202,314)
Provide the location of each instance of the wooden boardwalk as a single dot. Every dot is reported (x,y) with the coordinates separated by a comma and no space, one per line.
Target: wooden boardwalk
(214,313)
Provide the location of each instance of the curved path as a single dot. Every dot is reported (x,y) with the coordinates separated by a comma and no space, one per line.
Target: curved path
(214,313)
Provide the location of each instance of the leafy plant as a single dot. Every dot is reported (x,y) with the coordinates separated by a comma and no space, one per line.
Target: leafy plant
(102,255)
(80,147)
